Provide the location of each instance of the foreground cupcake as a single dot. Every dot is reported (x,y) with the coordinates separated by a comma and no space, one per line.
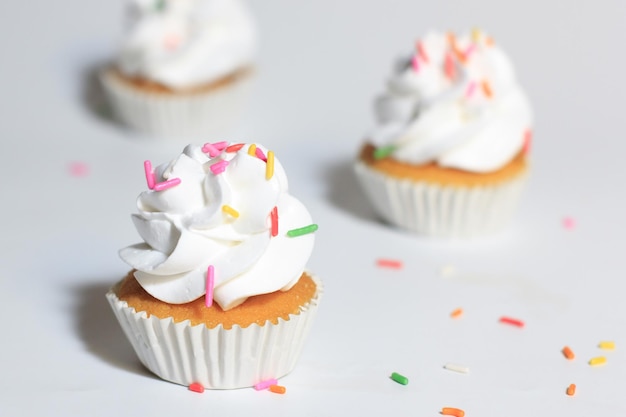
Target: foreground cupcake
(183,68)
(218,294)
(449,154)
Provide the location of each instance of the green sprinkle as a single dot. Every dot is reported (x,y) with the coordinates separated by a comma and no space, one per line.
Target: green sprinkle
(383,151)
(400,379)
(159,5)
(302,231)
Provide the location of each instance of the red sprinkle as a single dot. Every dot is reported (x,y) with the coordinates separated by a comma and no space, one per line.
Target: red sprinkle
(235,147)
(511,321)
(389,263)
(274,218)
(78,169)
(196,387)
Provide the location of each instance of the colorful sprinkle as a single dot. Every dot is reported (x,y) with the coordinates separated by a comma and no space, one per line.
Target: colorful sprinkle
(476,34)
(196,387)
(269,167)
(302,230)
(528,137)
(230,211)
(489,41)
(569,223)
(607,345)
(214,149)
(277,389)
(389,263)
(166,184)
(456,368)
(449,67)
(252,149)
(471,87)
(218,167)
(568,353)
(456,313)
(598,360)
(470,50)
(234,148)
(511,321)
(78,169)
(422,52)
(147,167)
(451,411)
(383,151)
(265,384)
(259,154)
(210,283)
(571,390)
(274,220)
(486,89)
(415,64)
(400,379)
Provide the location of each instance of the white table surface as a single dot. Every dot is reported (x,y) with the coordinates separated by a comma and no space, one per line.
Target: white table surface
(321,62)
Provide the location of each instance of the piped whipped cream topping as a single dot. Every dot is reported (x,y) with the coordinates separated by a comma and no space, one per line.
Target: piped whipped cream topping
(456,102)
(186,43)
(221,207)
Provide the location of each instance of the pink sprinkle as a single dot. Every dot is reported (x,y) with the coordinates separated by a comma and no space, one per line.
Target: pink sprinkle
(528,137)
(449,66)
(219,167)
(196,387)
(469,50)
(569,223)
(171,41)
(422,51)
(147,167)
(415,64)
(389,263)
(265,384)
(210,149)
(511,321)
(470,89)
(259,154)
(78,169)
(161,186)
(210,282)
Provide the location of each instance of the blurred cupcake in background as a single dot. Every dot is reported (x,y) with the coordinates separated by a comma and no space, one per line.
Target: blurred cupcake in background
(448,156)
(184,67)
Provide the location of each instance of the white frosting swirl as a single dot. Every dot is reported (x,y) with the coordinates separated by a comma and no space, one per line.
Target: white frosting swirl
(186,43)
(185,229)
(455,102)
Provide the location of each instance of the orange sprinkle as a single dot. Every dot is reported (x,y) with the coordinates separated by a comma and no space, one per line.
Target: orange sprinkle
(567,352)
(571,390)
(456,313)
(489,41)
(451,411)
(487,89)
(277,389)
(449,67)
(235,147)
(422,52)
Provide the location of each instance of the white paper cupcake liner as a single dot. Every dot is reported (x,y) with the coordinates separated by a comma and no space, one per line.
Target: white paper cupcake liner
(434,210)
(216,358)
(183,116)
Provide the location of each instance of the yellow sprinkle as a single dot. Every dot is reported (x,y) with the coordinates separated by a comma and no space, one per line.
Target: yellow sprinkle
(475,35)
(252,150)
(598,360)
(606,345)
(269,167)
(229,210)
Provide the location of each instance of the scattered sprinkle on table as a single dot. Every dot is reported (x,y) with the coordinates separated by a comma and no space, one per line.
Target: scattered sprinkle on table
(598,360)
(567,352)
(389,263)
(456,368)
(457,313)
(511,321)
(196,387)
(78,169)
(400,379)
(571,390)
(277,389)
(606,345)
(451,411)
(265,384)
(569,223)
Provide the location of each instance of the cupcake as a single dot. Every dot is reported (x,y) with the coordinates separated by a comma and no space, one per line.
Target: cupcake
(218,294)
(448,156)
(184,67)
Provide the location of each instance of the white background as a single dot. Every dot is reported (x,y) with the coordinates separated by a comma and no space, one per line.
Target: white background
(321,63)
